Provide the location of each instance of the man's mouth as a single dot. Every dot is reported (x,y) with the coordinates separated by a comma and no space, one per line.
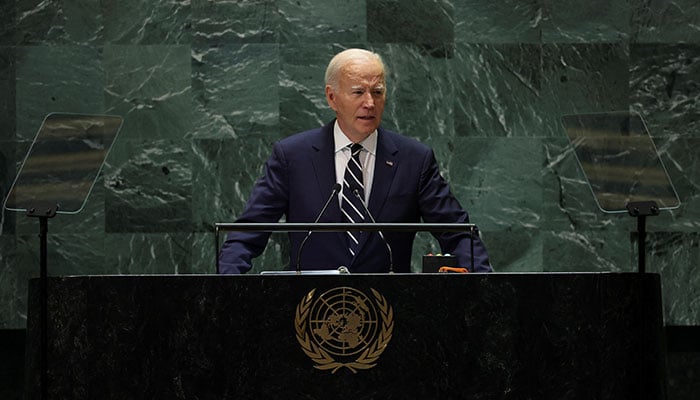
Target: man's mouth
(366,117)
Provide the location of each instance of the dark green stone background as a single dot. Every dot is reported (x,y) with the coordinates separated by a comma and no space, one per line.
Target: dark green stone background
(206,87)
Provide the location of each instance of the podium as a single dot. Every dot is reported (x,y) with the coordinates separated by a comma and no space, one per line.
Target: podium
(400,336)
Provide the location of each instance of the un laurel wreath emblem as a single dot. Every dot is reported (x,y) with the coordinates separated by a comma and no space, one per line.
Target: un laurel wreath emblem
(343,327)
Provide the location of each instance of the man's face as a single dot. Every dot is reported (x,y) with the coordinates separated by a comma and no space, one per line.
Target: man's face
(358,100)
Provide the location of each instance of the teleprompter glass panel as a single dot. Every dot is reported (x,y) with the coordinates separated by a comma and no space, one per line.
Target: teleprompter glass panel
(620,161)
(63,162)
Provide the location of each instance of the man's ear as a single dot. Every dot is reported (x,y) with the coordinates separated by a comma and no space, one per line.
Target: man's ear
(330,97)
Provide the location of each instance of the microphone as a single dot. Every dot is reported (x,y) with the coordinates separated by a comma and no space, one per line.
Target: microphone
(336,189)
(381,235)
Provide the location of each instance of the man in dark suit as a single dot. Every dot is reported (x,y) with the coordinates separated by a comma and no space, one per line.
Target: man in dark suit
(395,176)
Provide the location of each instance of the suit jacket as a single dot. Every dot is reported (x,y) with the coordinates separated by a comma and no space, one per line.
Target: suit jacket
(298,179)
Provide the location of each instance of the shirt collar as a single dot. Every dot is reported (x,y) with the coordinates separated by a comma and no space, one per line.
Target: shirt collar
(342,141)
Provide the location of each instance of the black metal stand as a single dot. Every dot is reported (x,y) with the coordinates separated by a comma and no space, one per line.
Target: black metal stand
(343,226)
(43,216)
(642,210)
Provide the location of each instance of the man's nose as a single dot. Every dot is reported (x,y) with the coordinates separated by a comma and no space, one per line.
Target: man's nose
(368,100)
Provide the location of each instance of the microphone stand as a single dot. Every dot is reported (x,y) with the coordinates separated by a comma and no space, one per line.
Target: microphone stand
(336,189)
(381,235)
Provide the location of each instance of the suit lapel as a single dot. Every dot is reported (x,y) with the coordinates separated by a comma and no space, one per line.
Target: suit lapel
(323,160)
(385,166)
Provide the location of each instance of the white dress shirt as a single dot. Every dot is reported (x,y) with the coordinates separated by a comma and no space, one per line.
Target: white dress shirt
(367,157)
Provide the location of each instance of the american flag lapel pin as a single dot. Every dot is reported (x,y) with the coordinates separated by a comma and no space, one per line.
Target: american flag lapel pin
(390,163)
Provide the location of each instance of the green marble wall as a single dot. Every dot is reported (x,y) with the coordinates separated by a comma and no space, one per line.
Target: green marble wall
(206,87)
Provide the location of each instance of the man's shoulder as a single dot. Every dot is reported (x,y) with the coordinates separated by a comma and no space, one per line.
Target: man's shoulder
(402,141)
(313,136)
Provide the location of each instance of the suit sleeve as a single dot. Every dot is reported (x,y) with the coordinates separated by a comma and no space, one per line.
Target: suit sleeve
(267,203)
(438,204)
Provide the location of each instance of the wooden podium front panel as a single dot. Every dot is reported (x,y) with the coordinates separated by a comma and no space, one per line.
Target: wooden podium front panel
(478,336)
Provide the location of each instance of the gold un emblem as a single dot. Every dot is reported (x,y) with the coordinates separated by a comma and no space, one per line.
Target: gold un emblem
(344,327)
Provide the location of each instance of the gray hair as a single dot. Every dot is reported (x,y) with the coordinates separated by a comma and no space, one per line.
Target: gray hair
(346,57)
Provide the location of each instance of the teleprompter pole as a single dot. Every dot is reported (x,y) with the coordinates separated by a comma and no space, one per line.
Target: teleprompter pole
(641,210)
(43,216)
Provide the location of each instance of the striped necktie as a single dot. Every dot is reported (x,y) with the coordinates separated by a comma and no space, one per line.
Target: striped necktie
(352,206)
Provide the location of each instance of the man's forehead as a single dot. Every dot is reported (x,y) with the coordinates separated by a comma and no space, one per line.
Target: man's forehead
(374,84)
(363,69)
(356,79)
